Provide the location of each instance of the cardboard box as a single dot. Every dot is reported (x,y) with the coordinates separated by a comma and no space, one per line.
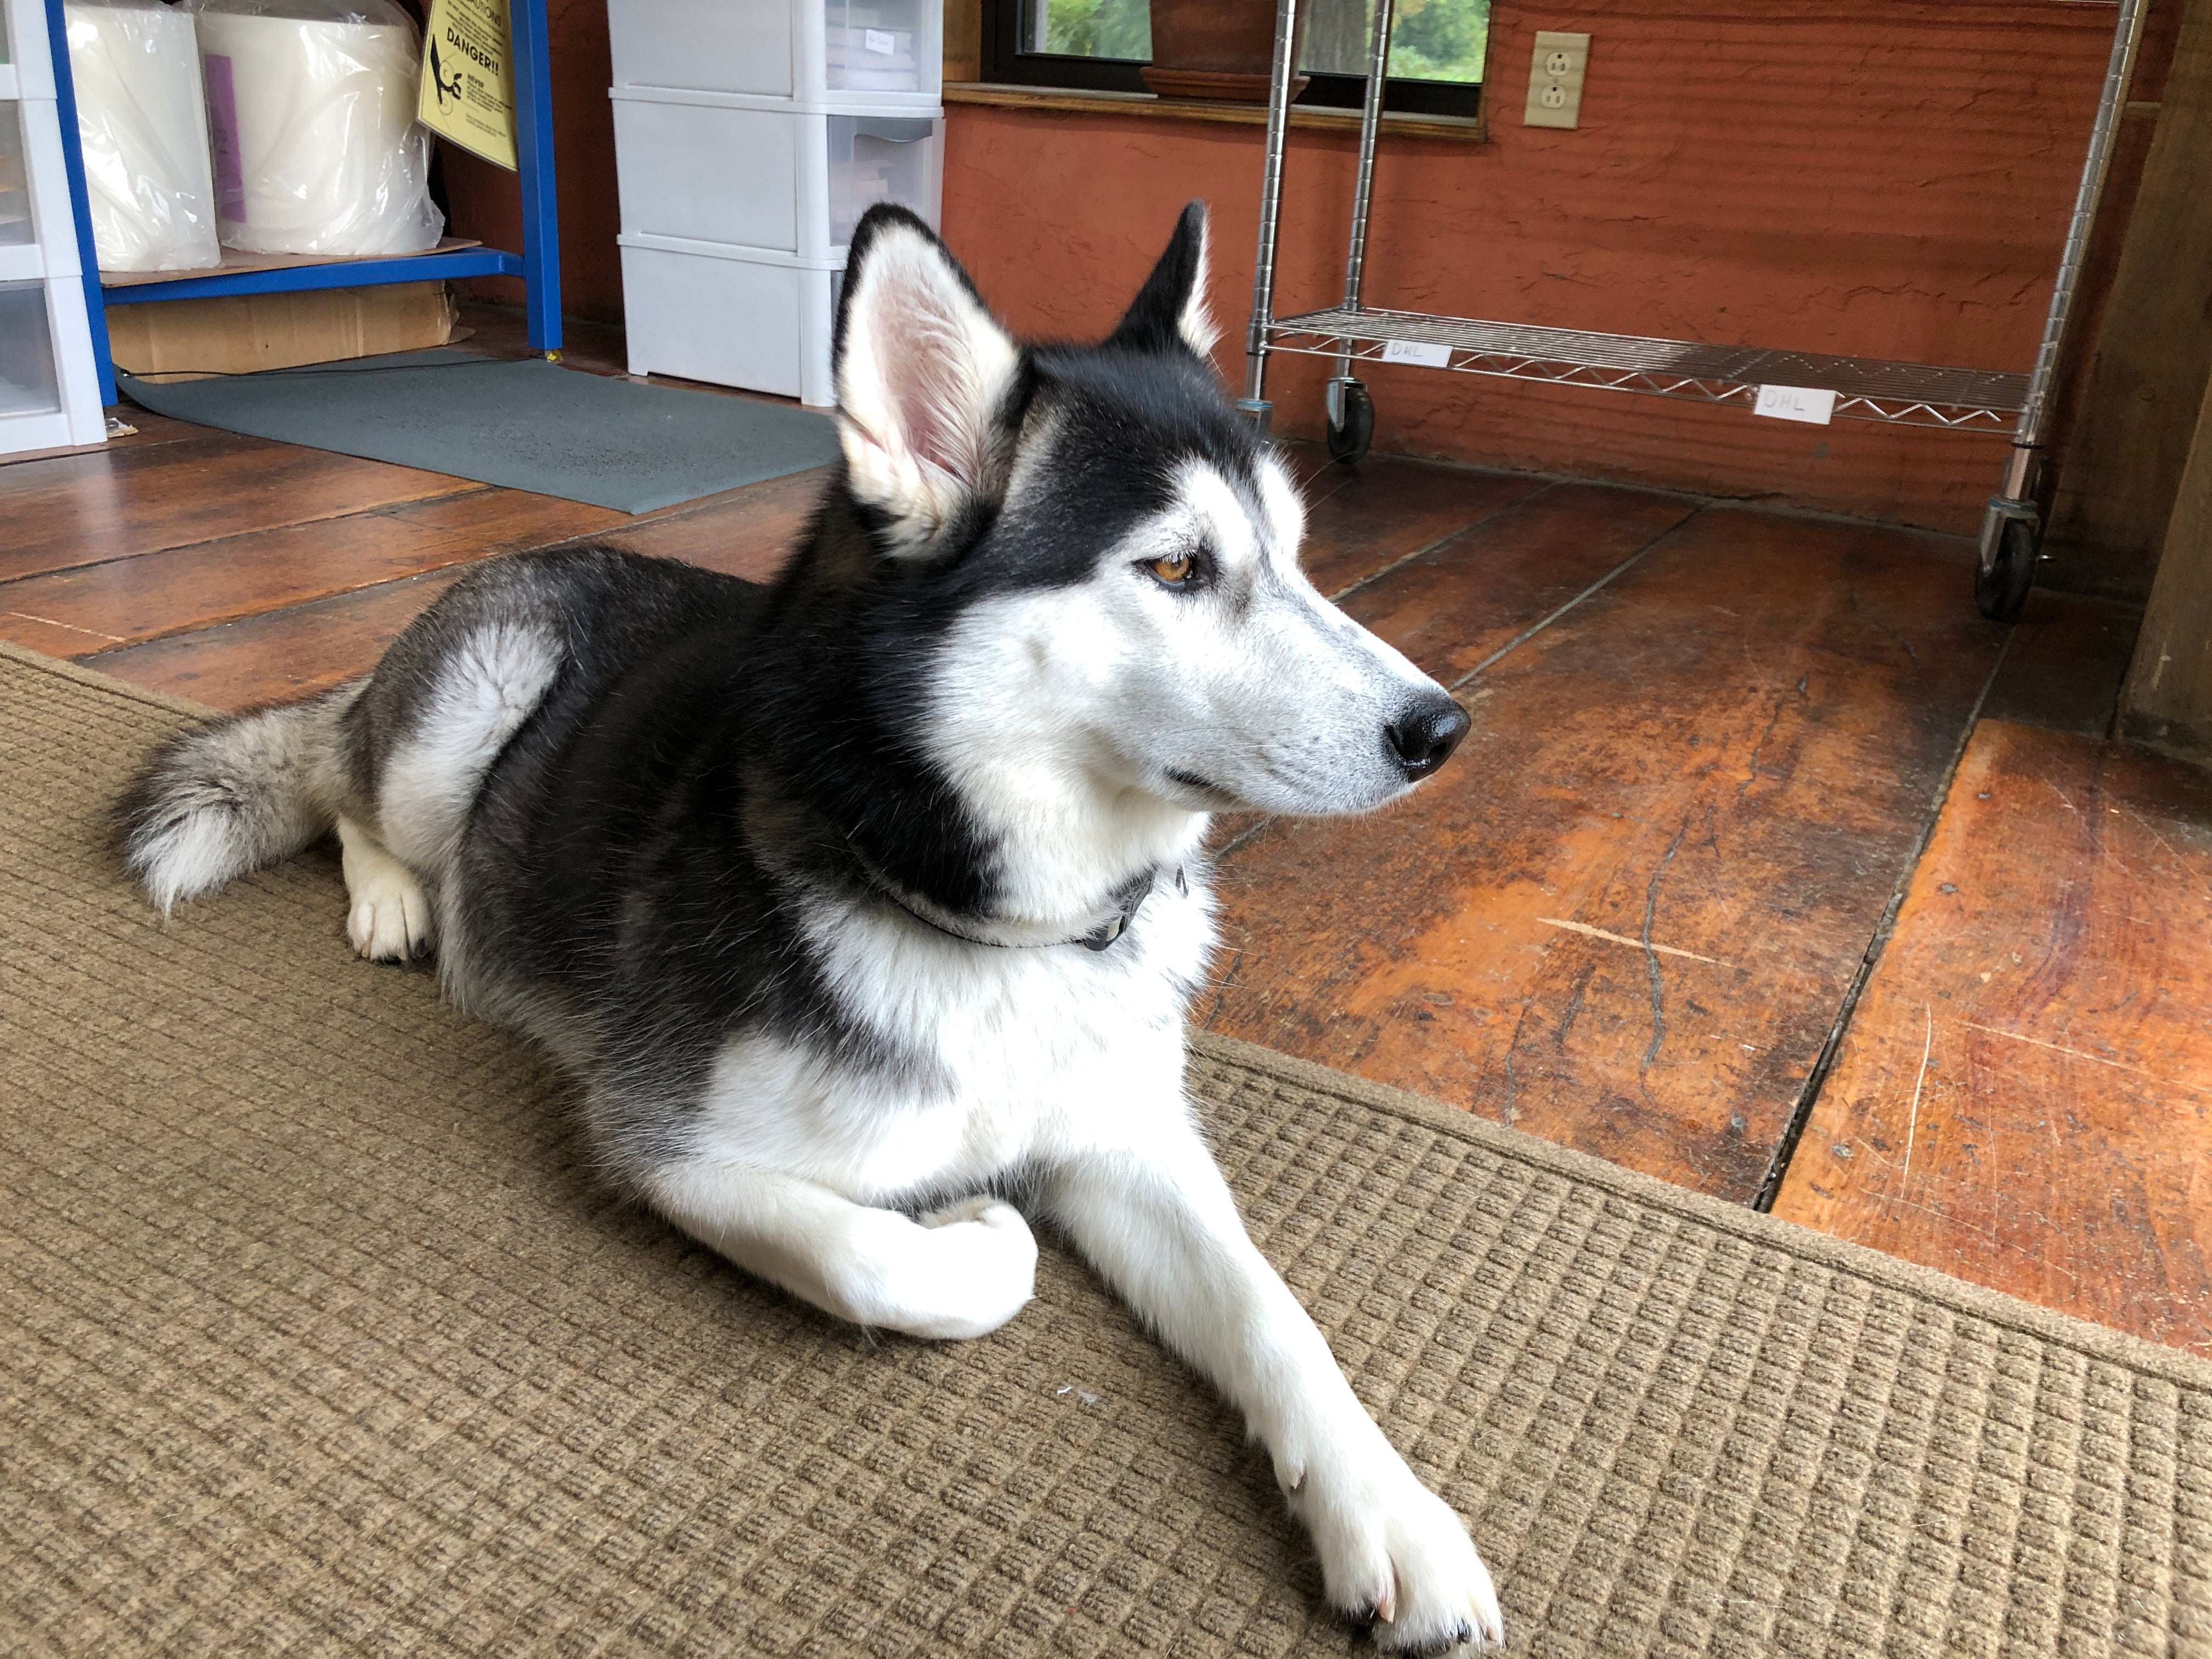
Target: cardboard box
(239,333)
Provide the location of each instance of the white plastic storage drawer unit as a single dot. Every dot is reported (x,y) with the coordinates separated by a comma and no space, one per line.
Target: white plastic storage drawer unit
(846,51)
(750,137)
(49,388)
(751,174)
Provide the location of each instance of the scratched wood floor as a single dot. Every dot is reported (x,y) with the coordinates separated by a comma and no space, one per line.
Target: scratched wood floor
(1769,866)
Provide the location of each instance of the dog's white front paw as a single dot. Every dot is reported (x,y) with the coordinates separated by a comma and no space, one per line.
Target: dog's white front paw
(387,912)
(390,921)
(966,1272)
(1393,1552)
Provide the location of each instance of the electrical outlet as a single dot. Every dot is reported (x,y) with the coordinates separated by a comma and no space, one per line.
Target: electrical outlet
(1555,80)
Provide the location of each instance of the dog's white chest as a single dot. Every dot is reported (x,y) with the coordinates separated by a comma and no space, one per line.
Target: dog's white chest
(1014,1055)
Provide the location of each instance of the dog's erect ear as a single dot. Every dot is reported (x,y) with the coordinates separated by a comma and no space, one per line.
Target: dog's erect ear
(925,379)
(1169,311)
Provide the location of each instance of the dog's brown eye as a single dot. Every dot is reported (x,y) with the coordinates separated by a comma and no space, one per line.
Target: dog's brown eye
(1174,572)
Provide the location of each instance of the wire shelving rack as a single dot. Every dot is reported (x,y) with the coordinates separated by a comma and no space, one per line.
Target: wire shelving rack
(1865,388)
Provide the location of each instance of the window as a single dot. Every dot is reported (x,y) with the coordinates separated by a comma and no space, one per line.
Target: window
(1436,49)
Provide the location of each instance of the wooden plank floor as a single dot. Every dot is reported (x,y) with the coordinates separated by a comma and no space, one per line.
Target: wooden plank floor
(76,510)
(276,647)
(2024,1096)
(1626,916)
(235,570)
(1631,915)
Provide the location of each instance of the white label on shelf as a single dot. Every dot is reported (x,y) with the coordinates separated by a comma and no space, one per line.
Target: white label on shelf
(1417,351)
(877,40)
(1796,403)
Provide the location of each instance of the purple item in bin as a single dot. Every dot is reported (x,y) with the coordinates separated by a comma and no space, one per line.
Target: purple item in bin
(222,134)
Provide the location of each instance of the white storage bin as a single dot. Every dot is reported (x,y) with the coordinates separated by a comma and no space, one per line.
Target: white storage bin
(49,385)
(706,313)
(864,52)
(748,174)
(49,390)
(29,383)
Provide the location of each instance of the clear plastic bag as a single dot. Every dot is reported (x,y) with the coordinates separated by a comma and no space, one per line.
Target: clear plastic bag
(144,132)
(311,109)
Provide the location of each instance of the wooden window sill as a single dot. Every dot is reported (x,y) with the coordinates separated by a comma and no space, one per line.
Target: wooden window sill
(1466,129)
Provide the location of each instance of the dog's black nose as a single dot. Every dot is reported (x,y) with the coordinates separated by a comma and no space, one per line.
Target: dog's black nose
(1424,736)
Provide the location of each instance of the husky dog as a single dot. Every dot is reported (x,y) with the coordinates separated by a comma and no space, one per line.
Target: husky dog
(867,905)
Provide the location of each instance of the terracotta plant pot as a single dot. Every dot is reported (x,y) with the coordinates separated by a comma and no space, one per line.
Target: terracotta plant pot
(1219,49)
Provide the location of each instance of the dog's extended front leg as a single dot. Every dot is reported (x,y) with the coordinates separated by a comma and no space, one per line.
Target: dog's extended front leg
(1161,1225)
(958,1272)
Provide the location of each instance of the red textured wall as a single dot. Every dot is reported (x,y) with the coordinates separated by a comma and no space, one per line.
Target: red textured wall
(1887,178)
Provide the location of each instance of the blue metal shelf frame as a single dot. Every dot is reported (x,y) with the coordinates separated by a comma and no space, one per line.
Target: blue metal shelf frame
(348,273)
(538,264)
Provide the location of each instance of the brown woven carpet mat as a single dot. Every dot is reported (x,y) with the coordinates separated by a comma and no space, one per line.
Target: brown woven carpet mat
(318,1340)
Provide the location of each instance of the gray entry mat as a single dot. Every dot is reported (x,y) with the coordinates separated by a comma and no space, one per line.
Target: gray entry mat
(527,425)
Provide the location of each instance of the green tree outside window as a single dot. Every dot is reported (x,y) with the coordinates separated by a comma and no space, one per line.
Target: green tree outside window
(1432,40)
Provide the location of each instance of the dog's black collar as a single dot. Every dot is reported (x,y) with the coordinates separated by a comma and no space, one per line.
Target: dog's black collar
(1128,899)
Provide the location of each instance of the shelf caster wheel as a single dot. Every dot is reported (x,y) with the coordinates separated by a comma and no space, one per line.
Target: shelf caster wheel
(1351,421)
(2006,573)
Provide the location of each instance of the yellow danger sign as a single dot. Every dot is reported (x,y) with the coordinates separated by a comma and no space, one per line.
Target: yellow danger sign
(468,78)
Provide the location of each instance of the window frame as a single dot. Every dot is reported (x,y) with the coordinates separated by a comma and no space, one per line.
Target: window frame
(1004,64)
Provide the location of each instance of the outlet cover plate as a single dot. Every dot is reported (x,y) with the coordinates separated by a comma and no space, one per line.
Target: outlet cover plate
(1555,79)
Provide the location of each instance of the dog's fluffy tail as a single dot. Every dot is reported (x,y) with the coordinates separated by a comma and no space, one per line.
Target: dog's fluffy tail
(237,794)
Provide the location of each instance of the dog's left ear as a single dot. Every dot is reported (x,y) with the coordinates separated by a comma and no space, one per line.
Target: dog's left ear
(1170,312)
(926,380)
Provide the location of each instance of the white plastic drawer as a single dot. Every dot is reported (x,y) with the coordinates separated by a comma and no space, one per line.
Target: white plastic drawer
(877,52)
(876,45)
(708,174)
(28,385)
(730,321)
(881,158)
(16,228)
(708,168)
(709,46)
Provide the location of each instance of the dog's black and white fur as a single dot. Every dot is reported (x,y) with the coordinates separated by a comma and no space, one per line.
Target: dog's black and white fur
(864,903)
